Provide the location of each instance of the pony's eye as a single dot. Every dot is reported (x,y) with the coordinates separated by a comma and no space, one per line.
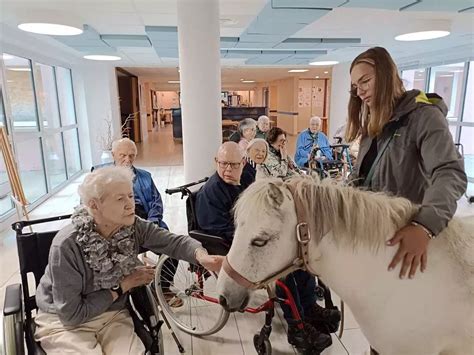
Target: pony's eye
(259,242)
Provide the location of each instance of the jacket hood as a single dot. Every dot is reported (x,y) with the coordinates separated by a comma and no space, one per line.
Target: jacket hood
(410,100)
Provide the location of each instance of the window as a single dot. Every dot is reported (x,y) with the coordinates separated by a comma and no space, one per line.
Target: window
(66,97)
(30,166)
(5,189)
(468,114)
(414,79)
(20,95)
(40,106)
(54,158)
(71,147)
(46,95)
(467,134)
(447,81)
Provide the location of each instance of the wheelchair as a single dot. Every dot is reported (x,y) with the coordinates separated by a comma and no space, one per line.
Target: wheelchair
(19,326)
(338,168)
(201,313)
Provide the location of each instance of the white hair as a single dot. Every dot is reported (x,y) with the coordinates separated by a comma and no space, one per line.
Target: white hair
(95,184)
(316,119)
(263,118)
(116,143)
(247,123)
(257,140)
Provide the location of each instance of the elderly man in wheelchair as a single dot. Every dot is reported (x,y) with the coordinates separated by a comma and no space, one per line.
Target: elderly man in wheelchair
(315,153)
(82,298)
(211,211)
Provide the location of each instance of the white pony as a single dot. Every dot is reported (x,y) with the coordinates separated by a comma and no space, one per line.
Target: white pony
(431,314)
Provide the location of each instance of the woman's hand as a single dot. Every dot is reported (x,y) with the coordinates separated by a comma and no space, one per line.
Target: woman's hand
(210,262)
(141,276)
(283,151)
(412,250)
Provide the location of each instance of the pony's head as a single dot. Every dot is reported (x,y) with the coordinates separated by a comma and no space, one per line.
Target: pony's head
(264,240)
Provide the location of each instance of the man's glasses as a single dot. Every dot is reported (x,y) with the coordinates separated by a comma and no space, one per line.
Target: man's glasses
(225,164)
(363,85)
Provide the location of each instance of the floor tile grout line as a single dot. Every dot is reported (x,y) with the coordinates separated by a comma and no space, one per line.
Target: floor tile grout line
(344,347)
(5,284)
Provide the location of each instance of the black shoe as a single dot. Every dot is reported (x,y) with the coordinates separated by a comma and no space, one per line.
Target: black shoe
(308,338)
(324,319)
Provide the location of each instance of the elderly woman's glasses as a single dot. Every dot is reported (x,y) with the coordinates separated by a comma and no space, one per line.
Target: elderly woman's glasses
(225,164)
(363,85)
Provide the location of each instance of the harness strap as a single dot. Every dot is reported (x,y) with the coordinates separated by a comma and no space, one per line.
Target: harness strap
(302,229)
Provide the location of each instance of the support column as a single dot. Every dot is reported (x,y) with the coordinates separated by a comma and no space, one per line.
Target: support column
(200,80)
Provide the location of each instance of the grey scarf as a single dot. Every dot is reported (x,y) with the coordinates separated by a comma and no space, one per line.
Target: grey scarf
(110,259)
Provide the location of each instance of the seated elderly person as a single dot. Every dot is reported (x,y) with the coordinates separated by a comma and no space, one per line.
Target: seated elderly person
(216,198)
(247,130)
(263,125)
(312,137)
(257,151)
(93,264)
(148,203)
(278,163)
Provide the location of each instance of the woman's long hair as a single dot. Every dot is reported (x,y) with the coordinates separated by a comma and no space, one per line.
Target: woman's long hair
(387,89)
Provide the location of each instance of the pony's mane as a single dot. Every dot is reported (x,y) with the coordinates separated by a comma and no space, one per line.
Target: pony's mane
(354,217)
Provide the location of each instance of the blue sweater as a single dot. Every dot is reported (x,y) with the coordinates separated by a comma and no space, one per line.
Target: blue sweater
(305,143)
(146,195)
(214,204)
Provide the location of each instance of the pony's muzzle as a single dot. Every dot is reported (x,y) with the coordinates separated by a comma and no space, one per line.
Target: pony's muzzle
(224,303)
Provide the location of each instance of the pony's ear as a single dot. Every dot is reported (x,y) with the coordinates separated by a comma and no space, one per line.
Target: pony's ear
(275,195)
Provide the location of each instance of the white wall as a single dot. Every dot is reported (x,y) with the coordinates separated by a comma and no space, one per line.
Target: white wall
(97,91)
(340,85)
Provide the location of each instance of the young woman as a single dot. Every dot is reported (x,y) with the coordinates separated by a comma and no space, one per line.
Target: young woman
(406,149)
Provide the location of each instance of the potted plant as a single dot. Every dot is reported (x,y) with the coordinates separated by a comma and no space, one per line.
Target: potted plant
(105,142)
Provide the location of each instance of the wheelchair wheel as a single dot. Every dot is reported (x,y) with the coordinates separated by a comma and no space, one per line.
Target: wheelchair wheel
(194,289)
(264,348)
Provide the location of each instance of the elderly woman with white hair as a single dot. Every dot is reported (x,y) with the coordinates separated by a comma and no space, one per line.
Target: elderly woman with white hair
(93,264)
(309,138)
(263,125)
(247,130)
(256,153)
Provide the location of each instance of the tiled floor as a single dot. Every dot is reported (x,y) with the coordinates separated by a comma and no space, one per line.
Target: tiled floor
(236,337)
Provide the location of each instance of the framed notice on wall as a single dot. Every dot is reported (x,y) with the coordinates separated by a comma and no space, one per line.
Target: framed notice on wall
(304,97)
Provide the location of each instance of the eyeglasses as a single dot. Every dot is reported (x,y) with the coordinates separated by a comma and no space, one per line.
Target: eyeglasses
(225,164)
(363,85)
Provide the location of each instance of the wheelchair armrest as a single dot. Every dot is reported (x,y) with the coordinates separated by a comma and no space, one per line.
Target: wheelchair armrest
(13,322)
(214,245)
(13,300)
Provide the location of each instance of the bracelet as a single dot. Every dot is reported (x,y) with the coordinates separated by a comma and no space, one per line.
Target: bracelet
(427,231)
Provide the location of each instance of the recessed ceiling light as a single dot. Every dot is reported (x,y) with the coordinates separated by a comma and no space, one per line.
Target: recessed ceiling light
(421,36)
(173,81)
(248,81)
(242,79)
(326,72)
(325,62)
(50,29)
(317,76)
(19,69)
(101,57)
(297,71)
